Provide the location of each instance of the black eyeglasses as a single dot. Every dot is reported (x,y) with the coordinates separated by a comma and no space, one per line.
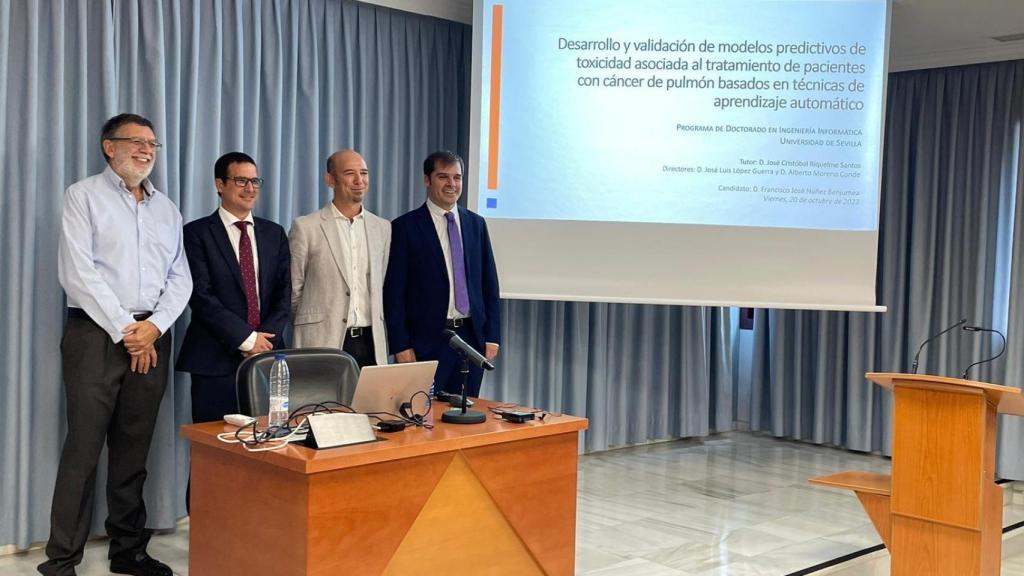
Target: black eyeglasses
(138,142)
(241,181)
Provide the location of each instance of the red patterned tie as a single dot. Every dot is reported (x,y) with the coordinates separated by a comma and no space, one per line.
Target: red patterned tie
(248,275)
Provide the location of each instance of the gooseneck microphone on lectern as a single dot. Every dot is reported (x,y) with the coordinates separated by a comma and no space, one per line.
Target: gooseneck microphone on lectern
(913,369)
(469,354)
(983,329)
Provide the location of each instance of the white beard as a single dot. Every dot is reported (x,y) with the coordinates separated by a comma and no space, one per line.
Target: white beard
(132,175)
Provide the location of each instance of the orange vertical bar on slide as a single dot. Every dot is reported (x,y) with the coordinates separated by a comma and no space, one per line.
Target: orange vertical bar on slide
(492,143)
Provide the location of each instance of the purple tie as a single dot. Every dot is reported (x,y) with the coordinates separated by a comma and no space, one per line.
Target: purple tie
(458,265)
(248,269)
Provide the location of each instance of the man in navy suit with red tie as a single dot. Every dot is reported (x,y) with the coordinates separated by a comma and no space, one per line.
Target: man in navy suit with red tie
(441,275)
(242,288)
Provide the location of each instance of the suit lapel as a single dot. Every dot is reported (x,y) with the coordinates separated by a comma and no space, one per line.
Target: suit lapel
(329,227)
(469,236)
(469,243)
(220,239)
(374,245)
(427,230)
(267,254)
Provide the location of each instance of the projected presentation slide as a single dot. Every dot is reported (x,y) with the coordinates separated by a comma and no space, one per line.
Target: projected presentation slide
(719,112)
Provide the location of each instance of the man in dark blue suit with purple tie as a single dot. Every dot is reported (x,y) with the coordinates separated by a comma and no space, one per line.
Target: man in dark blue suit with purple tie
(441,275)
(241,272)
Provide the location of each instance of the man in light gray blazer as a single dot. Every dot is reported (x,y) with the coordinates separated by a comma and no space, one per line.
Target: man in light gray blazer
(339,257)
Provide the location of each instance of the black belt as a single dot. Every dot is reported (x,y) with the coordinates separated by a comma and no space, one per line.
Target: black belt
(358,331)
(458,322)
(81,315)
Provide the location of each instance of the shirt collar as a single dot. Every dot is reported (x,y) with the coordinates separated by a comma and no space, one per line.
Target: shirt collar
(148,190)
(439,212)
(229,219)
(338,214)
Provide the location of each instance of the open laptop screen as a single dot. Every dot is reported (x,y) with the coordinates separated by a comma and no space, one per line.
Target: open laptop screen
(384,388)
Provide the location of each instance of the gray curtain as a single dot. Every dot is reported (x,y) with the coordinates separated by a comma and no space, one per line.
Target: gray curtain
(1011,428)
(638,372)
(949,248)
(56,87)
(285,81)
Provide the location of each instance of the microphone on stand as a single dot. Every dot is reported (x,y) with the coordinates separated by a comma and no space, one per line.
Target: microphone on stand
(459,345)
(983,329)
(468,355)
(913,369)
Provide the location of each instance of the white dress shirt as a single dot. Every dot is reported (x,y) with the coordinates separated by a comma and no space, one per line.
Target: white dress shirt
(235,237)
(119,256)
(352,234)
(441,227)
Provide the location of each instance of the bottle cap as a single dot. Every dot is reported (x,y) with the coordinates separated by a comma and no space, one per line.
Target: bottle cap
(279,356)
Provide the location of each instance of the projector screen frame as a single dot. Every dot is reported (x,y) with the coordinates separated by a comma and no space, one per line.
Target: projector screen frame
(474,181)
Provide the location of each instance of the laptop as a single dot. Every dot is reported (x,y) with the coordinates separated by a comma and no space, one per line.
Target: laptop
(384,388)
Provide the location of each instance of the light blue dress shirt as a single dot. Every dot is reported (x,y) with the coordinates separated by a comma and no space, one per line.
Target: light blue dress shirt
(119,257)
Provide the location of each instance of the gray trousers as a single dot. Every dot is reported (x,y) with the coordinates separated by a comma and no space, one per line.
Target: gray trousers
(106,402)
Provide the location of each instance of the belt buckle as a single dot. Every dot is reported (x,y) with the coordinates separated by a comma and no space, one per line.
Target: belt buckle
(456,322)
(355,332)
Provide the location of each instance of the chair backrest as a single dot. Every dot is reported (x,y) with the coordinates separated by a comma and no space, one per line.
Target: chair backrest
(317,375)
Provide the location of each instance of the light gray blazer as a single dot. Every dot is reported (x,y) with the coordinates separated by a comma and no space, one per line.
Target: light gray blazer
(320,284)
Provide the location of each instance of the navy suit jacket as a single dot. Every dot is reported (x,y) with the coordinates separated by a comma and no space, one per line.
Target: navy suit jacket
(416,285)
(219,309)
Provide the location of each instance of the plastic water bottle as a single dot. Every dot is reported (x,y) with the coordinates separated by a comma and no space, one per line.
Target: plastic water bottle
(280,380)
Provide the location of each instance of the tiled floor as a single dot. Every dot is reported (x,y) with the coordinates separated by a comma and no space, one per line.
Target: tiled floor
(877,564)
(735,504)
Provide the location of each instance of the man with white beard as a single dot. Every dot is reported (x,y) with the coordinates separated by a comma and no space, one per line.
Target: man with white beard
(123,268)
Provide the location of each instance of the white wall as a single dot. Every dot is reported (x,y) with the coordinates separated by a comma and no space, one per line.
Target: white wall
(457,10)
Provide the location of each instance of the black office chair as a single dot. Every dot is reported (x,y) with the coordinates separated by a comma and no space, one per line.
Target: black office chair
(317,375)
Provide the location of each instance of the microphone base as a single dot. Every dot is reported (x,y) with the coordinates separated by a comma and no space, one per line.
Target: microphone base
(457,416)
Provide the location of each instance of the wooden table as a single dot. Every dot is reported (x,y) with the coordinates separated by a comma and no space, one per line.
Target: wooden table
(491,498)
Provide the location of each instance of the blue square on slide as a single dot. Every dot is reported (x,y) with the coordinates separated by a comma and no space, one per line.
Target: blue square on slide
(492,202)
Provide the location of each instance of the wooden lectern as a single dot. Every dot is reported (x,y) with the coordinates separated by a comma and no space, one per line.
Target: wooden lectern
(941,512)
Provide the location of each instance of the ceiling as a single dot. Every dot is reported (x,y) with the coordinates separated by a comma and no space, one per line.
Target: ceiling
(935,33)
(925,33)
